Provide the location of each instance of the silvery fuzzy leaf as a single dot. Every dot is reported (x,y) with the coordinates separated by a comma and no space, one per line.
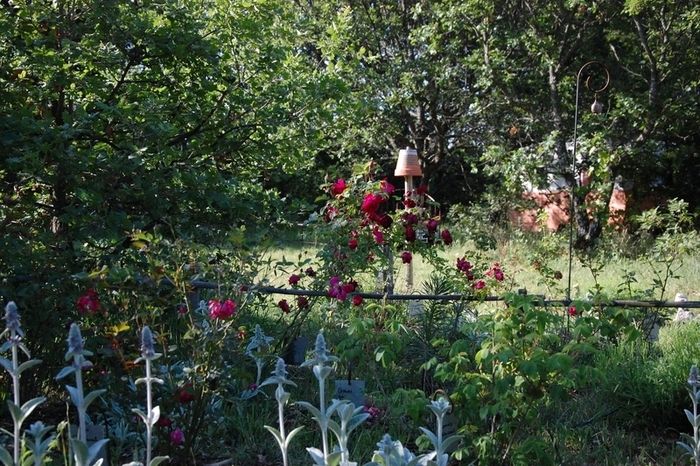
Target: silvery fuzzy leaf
(7,365)
(133,463)
(140,380)
(24,350)
(155,415)
(141,414)
(322,372)
(683,445)
(431,436)
(157,460)
(28,365)
(5,346)
(450,442)
(291,435)
(90,397)
(317,456)
(336,405)
(94,450)
(80,452)
(5,457)
(311,408)
(276,433)
(75,395)
(335,428)
(98,462)
(356,420)
(66,371)
(19,414)
(158,381)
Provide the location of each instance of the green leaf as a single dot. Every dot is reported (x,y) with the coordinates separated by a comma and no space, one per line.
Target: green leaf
(157,460)
(5,457)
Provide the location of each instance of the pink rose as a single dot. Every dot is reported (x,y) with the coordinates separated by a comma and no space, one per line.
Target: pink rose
(479,285)
(338,187)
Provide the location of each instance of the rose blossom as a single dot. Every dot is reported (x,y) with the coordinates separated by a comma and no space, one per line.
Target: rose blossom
(338,187)
(89,302)
(219,310)
(294,279)
(446,237)
(352,244)
(387,187)
(370,203)
(357,300)
(302,302)
(284,305)
(406,257)
(479,284)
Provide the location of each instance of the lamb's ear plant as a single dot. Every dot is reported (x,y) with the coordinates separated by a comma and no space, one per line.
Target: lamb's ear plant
(350,418)
(40,443)
(256,349)
(19,411)
(392,453)
(150,417)
(440,408)
(321,369)
(83,453)
(279,377)
(692,444)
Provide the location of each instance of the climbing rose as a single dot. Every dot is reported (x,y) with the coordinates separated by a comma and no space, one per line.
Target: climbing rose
(284,305)
(177,437)
(219,310)
(409,218)
(463,265)
(357,300)
(181,309)
(89,302)
(480,284)
(371,203)
(338,187)
(431,225)
(335,289)
(446,237)
(410,234)
(387,187)
(572,311)
(378,236)
(384,220)
(302,302)
(422,189)
(406,257)
(350,286)
(408,202)
(310,272)
(352,243)
(294,279)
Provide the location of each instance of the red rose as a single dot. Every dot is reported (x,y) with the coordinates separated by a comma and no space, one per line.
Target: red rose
(338,187)
(357,300)
(284,305)
(446,237)
(406,257)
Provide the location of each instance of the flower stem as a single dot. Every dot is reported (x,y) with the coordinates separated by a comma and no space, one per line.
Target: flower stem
(149,408)
(15,387)
(82,433)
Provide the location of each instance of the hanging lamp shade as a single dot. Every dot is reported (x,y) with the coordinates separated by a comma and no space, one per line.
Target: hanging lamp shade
(408,164)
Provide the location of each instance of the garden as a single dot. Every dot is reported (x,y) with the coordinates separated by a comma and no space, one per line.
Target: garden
(346,232)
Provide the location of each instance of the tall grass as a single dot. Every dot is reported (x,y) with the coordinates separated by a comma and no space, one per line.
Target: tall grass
(516,256)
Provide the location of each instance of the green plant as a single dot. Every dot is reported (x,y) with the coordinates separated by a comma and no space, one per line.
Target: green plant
(692,444)
(82,452)
(279,378)
(150,417)
(20,412)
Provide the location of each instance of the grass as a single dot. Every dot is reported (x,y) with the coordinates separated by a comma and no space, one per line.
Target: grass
(517,260)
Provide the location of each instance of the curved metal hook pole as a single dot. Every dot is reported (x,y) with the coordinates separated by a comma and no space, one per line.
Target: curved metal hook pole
(572,202)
